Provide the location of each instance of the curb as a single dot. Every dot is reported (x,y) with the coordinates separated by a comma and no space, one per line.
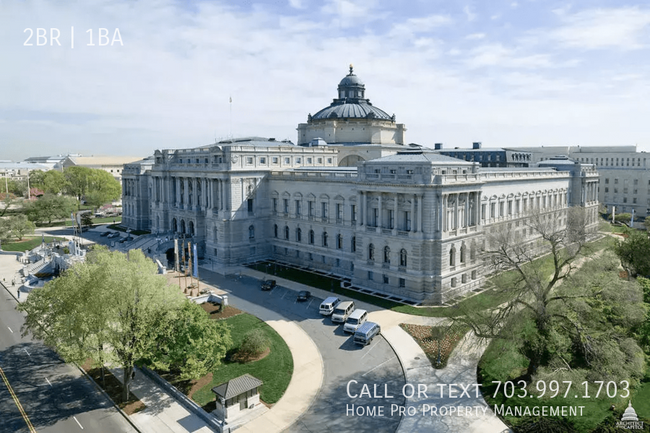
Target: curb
(90,379)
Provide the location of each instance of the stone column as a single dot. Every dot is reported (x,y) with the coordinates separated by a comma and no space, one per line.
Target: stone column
(360,201)
(411,228)
(456,222)
(380,223)
(395,214)
(467,216)
(421,205)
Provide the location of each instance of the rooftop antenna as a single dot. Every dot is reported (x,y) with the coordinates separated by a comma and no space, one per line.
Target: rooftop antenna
(230,127)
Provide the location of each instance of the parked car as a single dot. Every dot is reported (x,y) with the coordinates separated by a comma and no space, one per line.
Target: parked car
(366,332)
(268,284)
(328,305)
(356,319)
(342,311)
(303,295)
(114,235)
(106,233)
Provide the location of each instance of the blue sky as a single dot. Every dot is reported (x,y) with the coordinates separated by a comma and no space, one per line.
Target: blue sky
(507,73)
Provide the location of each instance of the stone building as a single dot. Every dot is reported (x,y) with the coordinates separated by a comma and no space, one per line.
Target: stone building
(404,222)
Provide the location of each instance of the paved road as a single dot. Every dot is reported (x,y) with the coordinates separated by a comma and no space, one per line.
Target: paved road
(55,397)
(343,360)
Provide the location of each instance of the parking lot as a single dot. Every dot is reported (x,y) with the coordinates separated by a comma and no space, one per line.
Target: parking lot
(343,360)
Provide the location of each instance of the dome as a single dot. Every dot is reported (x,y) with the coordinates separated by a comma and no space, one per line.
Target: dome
(351,103)
(351,111)
(630,413)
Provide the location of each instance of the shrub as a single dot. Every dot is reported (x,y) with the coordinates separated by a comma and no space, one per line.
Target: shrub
(255,343)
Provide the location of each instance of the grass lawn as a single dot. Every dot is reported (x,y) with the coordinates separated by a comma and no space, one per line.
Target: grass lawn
(28,243)
(274,370)
(642,398)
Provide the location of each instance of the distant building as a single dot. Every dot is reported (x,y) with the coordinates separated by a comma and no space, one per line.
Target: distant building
(111,164)
(489,157)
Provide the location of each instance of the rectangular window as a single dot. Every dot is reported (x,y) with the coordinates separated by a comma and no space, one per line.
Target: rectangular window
(310,209)
(385,278)
(353,212)
(353,242)
(262,160)
(287,161)
(249,160)
(308,160)
(298,160)
(250,205)
(297,207)
(285,205)
(391,219)
(375,217)
(339,212)
(320,160)
(370,275)
(275,204)
(329,160)
(323,209)
(402,282)
(275,160)
(407,220)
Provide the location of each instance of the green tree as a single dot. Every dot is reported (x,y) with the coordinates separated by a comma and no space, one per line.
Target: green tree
(187,341)
(623,218)
(103,188)
(7,201)
(634,252)
(86,219)
(54,182)
(36,178)
(15,227)
(110,308)
(77,181)
(18,187)
(50,207)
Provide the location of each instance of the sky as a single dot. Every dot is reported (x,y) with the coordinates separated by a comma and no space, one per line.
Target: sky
(505,73)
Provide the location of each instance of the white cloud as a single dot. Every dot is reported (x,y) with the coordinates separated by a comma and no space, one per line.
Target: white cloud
(475,36)
(622,28)
(501,56)
(296,4)
(469,13)
(348,13)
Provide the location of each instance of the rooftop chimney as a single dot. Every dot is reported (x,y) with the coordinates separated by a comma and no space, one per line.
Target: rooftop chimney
(438,146)
(476,145)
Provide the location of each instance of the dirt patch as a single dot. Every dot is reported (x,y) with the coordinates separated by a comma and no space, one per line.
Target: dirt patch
(113,388)
(198,384)
(215,311)
(244,358)
(435,341)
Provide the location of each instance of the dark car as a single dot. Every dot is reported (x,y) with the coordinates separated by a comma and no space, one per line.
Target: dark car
(114,235)
(106,233)
(303,295)
(268,284)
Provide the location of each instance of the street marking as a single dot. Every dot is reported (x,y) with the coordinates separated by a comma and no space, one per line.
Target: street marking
(27,352)
(48,381)
(11,330)
(284,294)
(18,405)
(377,366)
(309,304)
(75,418)
(373,346)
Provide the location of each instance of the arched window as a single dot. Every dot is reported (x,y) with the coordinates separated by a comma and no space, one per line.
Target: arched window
(386,254)
(251,232)
(462,253)
(275,230)
(452,256)
(339,241)
(174,225)
(371,252)
(324,239)
(298,235)
(286,232)
(402,257)
(311,237)
(472,251)
(183,226)
(353,244)
(191,225)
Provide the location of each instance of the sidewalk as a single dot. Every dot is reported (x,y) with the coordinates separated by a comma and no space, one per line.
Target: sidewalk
(163,413)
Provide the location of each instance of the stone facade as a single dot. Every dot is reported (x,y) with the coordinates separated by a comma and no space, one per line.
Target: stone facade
(406,222)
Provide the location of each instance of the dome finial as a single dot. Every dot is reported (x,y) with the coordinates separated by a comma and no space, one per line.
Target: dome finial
(351,68)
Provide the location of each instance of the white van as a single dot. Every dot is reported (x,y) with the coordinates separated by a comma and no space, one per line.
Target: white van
(342,311)
(366,332)
(355,320)
(328,305)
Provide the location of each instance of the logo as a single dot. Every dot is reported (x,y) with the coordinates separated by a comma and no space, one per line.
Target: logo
(629,420)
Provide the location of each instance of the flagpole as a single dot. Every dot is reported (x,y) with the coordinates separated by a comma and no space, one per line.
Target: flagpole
(230,127)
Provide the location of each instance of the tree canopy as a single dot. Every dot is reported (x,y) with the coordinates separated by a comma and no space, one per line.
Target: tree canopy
(115,308)
(50,207)
(634,252)
(15,227)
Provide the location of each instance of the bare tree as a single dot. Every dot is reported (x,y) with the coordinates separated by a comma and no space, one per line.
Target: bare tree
(527,284)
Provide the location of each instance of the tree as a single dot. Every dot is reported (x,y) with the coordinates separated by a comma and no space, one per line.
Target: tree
(36,178)
(86,219)
(102,188)
(187,341)
(646,223)
(50,207)
(528,283)
(634,252)
(7,201)
(77,181)
(53,182)
(255,343)
(18,187)
(112,308)
(15,226)
(623,218)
